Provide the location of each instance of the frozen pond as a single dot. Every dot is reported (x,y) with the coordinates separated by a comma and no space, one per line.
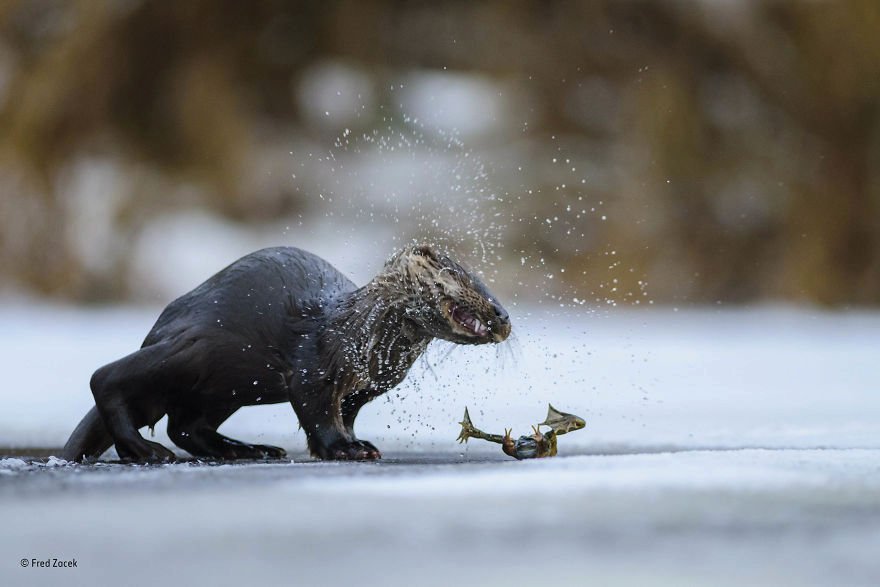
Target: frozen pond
(722,447)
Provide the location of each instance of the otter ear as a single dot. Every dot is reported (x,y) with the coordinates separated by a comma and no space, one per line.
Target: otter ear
(425,251)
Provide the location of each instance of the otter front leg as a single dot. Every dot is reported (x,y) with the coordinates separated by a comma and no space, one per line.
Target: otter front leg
(197,434)
(320,415)
(351,405)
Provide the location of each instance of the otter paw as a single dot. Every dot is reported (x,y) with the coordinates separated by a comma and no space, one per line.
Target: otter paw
(358,450)
(148,452)
(234,451)
(270,452)
(372,452)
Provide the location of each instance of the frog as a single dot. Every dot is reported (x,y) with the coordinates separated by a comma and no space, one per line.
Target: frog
(536,445)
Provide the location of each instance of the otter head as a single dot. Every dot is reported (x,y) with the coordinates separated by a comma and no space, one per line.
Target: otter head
(447,301)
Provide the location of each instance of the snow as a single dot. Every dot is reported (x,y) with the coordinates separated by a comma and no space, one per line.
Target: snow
(722,447)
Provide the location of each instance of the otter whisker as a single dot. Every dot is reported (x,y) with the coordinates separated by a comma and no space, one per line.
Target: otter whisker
(451,349)
(512,345)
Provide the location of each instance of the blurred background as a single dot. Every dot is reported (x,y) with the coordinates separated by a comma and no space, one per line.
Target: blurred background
(576,152)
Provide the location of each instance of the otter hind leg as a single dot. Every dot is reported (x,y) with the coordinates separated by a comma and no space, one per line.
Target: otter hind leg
(123,420)
(131,446)
(129,395)
(197,434)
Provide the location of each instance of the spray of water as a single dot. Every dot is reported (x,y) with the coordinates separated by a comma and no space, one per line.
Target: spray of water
(405,184)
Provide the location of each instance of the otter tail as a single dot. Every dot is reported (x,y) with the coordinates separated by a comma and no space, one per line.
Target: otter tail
(89,440)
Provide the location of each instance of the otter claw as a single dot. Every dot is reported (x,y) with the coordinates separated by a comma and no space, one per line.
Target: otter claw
(358,450)
(271,452)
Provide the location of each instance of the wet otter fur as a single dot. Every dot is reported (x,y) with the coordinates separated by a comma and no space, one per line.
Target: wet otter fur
(282,324)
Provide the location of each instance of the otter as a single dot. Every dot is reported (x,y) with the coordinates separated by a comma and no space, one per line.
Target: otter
(282,324)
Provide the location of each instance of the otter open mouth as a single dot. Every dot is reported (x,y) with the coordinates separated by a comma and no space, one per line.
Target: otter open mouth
(468,321)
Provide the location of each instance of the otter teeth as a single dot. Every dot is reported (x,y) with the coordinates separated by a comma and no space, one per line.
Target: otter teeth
(468,322)
(475,326)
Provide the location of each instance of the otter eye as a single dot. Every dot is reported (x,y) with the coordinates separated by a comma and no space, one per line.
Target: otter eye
(449,270)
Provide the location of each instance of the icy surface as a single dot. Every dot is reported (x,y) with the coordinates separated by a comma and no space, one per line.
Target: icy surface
(722,447)
(757,517)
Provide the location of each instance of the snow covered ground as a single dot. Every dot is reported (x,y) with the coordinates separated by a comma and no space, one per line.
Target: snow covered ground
(722,447)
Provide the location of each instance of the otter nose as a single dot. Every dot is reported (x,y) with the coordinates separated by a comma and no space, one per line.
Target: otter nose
(501,314)
(500,326)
